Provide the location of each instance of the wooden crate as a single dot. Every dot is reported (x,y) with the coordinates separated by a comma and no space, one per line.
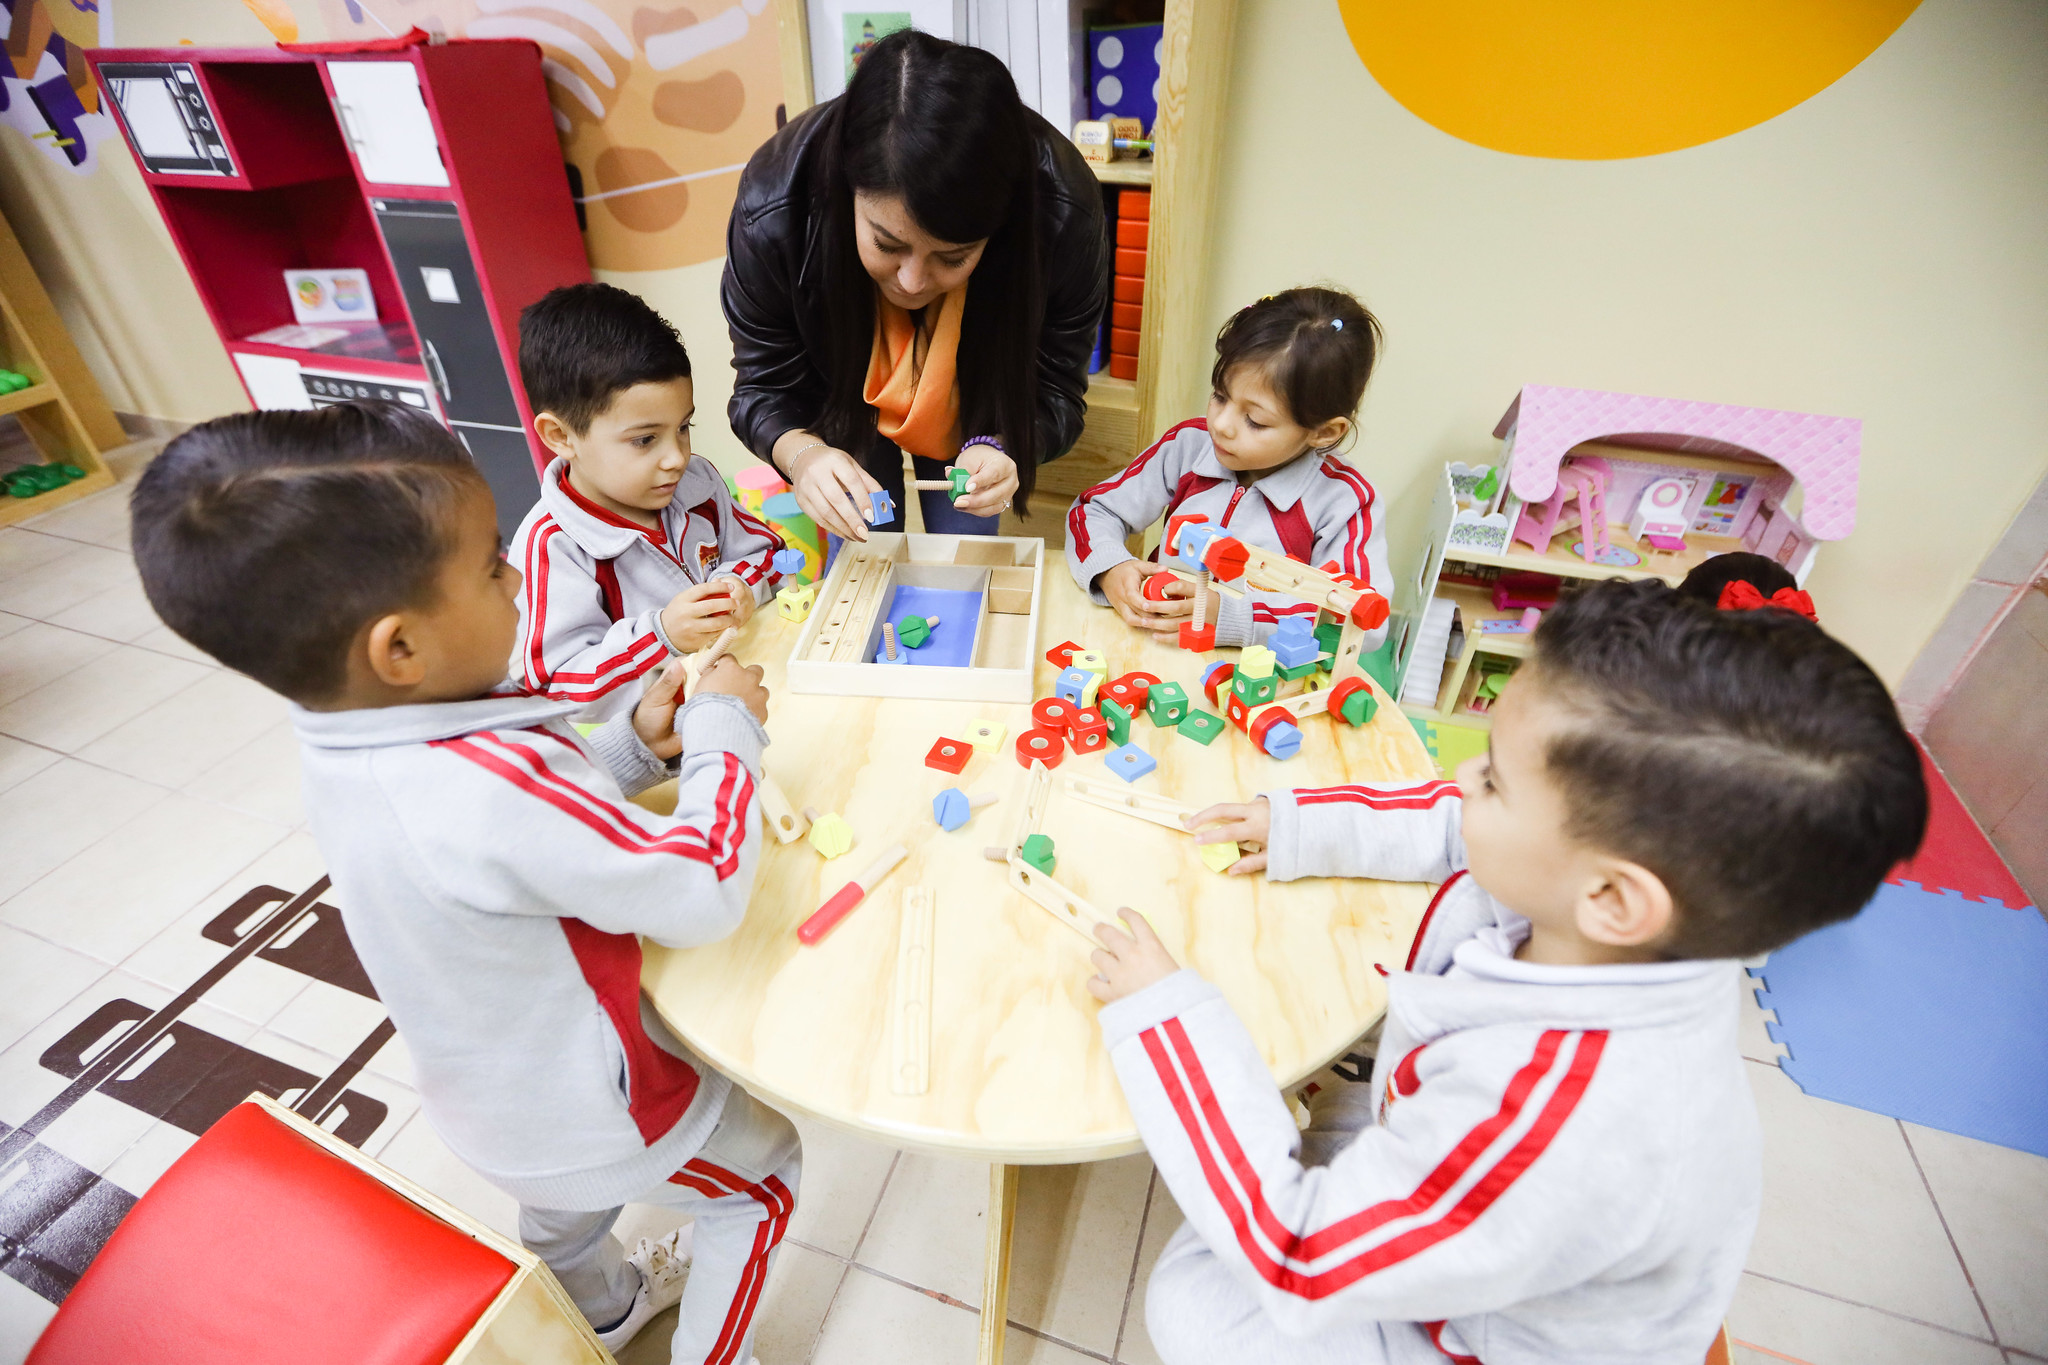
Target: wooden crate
(835,650)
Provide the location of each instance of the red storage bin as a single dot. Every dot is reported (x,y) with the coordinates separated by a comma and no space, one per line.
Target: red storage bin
(1123,341)
(1123,367)
(1133,232)
(1129,261)
(1128,289)
(1126,315)
(1134,204)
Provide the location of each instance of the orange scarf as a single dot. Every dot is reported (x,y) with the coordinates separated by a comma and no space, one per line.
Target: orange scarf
(911,383)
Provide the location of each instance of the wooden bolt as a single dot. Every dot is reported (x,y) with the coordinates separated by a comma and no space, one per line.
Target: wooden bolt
(830,835)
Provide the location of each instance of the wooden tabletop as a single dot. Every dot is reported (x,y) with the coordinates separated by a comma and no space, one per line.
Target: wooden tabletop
(1018,1071)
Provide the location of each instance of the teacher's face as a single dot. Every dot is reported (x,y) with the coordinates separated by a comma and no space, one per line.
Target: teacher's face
(909,265)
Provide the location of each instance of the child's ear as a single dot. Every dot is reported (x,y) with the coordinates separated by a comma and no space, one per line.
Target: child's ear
(1630,908)
(392,655)
(1330,434)
(553,433)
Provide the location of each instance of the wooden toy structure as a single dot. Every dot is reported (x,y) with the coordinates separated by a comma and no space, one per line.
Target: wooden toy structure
(835,650)
(1266,705)
(1677,483)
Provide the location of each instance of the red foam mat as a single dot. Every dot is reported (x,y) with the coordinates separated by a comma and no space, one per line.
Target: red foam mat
(1956,856)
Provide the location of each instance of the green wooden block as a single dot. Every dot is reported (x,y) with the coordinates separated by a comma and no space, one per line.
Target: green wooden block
(1299,670)
(1327,635)
(1166,704)
(1037,851)
(1119,721)
(1360,707)
(1200,726)
(1255,691)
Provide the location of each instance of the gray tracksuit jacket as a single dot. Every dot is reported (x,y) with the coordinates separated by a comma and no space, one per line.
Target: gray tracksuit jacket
(590,609)
(495,883)
(1552,1164)
(1318,510)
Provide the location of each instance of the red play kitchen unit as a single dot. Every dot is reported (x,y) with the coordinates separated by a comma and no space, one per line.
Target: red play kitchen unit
(364,224)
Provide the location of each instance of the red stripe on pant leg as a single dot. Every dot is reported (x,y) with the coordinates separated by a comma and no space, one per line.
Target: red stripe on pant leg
(774,1197)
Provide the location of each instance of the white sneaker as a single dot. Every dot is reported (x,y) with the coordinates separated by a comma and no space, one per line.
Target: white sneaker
(663,1265)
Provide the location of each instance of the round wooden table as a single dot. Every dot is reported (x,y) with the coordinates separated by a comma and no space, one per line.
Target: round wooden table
(1018,1073)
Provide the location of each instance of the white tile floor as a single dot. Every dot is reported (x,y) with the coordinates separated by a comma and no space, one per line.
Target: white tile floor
(142,790)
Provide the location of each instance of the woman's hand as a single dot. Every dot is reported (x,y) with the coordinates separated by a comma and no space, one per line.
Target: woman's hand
(1248,825)
(831,487)
(1127,963)
(991,483)
(1124,586)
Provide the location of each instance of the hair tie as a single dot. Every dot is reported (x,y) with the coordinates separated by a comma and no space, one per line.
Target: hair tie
(1743,596)
(1337,323)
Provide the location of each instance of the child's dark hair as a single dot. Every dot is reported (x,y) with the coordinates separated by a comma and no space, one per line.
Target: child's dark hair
(1747,758)
(1317,347)
(583,344)
(269,539)
(1761,572)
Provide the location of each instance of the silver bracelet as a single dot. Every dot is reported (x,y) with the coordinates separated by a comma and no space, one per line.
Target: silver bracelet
(801,450)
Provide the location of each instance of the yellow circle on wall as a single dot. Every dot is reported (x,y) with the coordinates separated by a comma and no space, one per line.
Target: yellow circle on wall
(1592,80)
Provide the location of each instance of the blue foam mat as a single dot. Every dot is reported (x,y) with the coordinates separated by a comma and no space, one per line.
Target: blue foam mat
(1927,1006)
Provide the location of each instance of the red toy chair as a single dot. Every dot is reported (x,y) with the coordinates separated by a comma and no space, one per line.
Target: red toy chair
(270,1240)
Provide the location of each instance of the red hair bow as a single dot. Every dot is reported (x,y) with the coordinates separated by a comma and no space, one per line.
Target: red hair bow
(1741,596)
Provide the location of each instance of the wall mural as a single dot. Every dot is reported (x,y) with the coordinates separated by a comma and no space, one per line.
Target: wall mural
(46,94)
(1601,79)
(659,105)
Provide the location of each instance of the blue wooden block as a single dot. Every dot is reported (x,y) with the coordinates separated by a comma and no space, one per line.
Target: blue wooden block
(1072,685)
(1294,651)
(949,808)
(884,506)
(788,561)
(1283,740)
(1129,762)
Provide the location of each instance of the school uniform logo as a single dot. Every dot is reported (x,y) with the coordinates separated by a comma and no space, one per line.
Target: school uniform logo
(707,556)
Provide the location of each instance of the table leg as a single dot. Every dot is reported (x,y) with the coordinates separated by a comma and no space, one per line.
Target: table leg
(995,1281)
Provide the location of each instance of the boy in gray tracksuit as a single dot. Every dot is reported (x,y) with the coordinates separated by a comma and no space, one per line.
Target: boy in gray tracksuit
(636,551)
(494,880)
(1557,1157)
(1263,464)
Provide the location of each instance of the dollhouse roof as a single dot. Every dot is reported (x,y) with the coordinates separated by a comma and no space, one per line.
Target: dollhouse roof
(1821,452)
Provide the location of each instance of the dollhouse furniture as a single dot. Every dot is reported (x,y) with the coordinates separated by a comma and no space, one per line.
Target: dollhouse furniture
(1016,1071)
(434,168)
(271,1240)
(1684,481)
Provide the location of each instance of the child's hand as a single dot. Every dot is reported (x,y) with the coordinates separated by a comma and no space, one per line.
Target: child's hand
(1124,586)
(742,599)
(654,719)
(1128,963)
(729,677)
(696,616)
(1248,825)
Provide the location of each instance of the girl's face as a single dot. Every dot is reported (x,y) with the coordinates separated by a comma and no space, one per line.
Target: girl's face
(1252,428)
(909,265)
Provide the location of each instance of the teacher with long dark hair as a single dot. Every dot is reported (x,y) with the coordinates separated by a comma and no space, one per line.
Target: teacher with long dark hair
(918,265)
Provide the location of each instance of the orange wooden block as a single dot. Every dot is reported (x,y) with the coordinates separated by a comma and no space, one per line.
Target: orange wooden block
(1134,204)
(1133,232)
(1130,261)
(1128,315)
(1123,341)
(1128,289)
(1123,367)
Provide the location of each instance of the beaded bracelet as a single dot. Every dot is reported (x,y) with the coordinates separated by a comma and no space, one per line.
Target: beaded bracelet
(990,441)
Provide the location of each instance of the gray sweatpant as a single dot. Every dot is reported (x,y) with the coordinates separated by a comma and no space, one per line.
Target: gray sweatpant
(739,1188)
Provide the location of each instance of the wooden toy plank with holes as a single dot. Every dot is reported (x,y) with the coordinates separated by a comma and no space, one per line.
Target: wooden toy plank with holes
(997,578)
(1017,1071)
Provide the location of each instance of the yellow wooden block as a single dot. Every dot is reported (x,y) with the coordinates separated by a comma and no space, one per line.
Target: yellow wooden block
(830,835)
(987,736)
(1255,661)
(795,602)
(1090,661)
(1219,857)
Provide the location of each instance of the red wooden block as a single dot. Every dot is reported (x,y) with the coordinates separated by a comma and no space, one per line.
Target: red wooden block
(1045,746)
(949,755)
(1171,540)
(1369,611)
(1266,720)
(1061,655)
(1123,341)
(1235,711)
(1133,232)
(1226,558)
(1128,289)
(1123,367)
(1089,732)
(1199,639)
(1053,713)
(1129,691)
(1130,261)
(1134,204)
(1157,584)
(1219,675)
(1130,315)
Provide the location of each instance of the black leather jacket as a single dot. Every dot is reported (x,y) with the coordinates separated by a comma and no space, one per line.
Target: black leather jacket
(773,290)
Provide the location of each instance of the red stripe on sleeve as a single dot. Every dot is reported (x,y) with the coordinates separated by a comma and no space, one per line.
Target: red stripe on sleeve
(1422,929)
(1077,519)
